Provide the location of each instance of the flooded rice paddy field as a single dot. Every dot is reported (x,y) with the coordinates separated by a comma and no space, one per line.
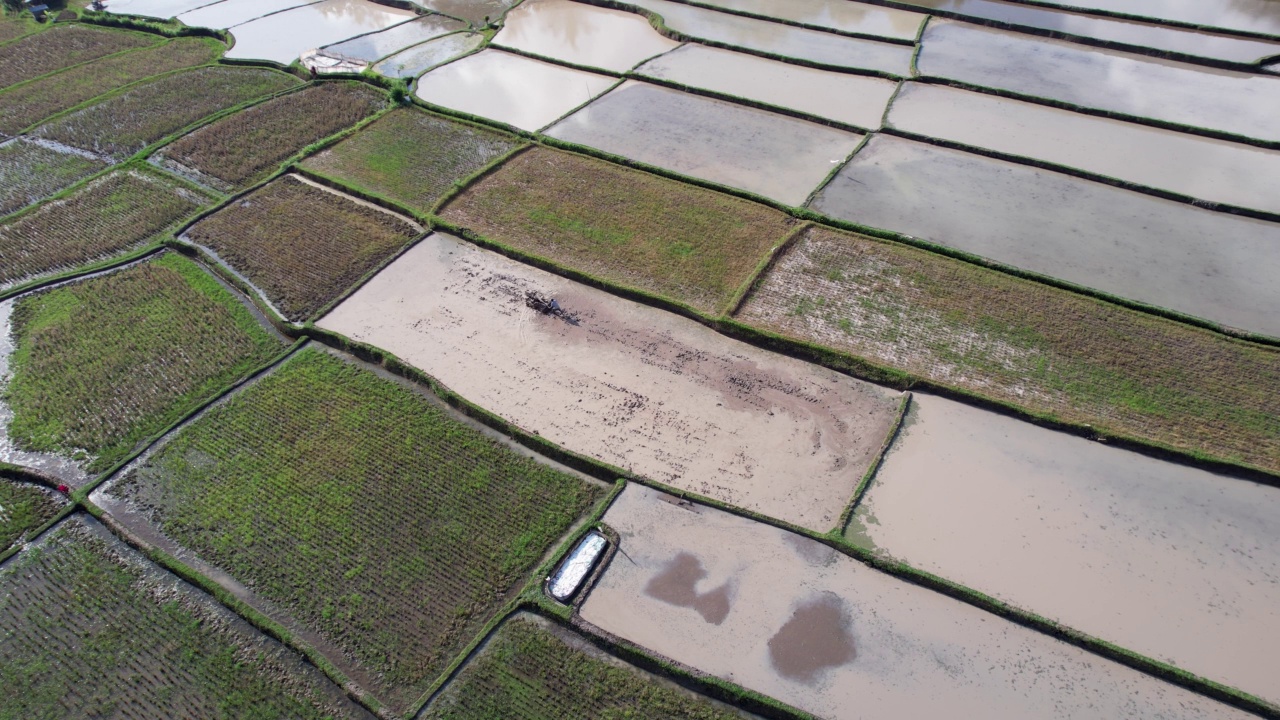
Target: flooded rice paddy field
(582,34)
(477,12)
(1249,16)
(848,17)
(636,387)
(157,8)
(1169,561)
(784,615)
(418,59)
(375,46)
(773,155)
(229,13)
(282,37)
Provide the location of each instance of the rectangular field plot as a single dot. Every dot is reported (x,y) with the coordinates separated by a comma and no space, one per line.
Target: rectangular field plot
(850,99)
(1203,168)
(250,144)
(1021,342)
(107,216)
(1258,16)
(532,668)
(361,511)
(476,12)
(420,58)
(92,629)
(375,46)
(786,616)
(693,245)
(99,365)
(283,36)
(126,123)
(773,155)
(1231,102)
(1160,252)
(32,171)
(24,106)
(62,47)
(24,507)
(841,15)
(1186,563)
(410,157)
(642,389)
(582,34)
(301,244)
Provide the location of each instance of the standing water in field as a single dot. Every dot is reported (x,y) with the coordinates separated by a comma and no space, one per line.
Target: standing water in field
(375,46)
(418,59)
(582,34)
(230,13)
(841,15)
(1256,16)
(282,37)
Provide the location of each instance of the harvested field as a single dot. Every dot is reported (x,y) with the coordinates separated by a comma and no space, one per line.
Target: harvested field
(126,123)
(101,364)
(24,106)
(582,34)
(1186,563)
(784,615)
(305,472)
(62,47)
(14,26)
(92,629)
(630,227)
(105,217)
(24,507)
(244,147)
(640,388)
(302,245)
(418,59)
(1027,344)
(31,172)
(411,157)
(532,669)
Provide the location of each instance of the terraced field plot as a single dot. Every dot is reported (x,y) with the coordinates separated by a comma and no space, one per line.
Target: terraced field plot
(787,616)
(1255,16)
(301,244)
(692,245)
(838,15)
(642,389)
(375,46)
(107,216)
(101,364)
(24,507)
(534,669)
(29,103)
(62,47)
(476,12)
(410,157)
(93,630)
(244,147)
(1186,563)
(418,59)
(32,171)
(229,13)
(283,36)
(308,468)
(582,34)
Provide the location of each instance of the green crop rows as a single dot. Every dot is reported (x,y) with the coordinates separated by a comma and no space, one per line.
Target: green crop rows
(23,508)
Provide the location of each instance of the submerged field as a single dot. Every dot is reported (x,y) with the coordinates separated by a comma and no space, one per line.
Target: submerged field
(363,510)
(24,507)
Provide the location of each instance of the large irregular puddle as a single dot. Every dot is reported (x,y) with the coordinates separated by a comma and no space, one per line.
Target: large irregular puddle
(230,13)
(773,38)
(375,46)
(525,93)
(1208,264)
(582,34)
(282,37)
(1231,102)
(642,389)
(856,100)
(420,58)
(1257,16)
(1188,42)
(841,15)
(1173,562)
(827,634)
(1203,168)
(774,155)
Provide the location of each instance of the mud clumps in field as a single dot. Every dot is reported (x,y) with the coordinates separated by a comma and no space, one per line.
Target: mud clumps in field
(677,585)
(815,638)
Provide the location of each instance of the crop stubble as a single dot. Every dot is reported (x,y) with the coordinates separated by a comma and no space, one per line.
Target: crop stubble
(24,507)
(1033,346)
(62,47)
(301,244)
(291,487)
(672,239)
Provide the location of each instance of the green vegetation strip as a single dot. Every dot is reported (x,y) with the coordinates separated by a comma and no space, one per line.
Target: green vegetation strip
(30,173)
(24,507)
(291,484)
(100,365)
(61,47)
(247,145)
(92,631)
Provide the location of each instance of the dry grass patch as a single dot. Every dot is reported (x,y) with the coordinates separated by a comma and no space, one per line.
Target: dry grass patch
(30,172)
(249,144)
(62,47)
(303,246)
(1037,347)
(626,226)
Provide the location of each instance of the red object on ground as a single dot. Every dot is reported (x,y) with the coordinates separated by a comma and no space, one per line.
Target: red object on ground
(64,489)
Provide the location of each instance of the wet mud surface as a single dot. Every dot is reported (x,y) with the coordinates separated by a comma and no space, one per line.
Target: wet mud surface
(837,639)
(677,582)
(633,386)
(1259,16)
(582,34)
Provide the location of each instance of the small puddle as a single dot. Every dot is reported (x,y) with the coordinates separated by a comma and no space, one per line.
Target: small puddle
(677,585)
(815,638)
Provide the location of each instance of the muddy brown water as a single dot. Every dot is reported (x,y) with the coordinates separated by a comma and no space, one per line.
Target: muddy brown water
(1259,16)
(1173,562)
(1158,37)
(774,155)
(637,387)
(1245,104)
(230,13)
(840,15)
(526,93)
(282,37)
(418,59)
(374,46)
(1203,168)
(1207,264)
(582,34)
(856,100)
(840,640)
(785,40)
(677,582)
